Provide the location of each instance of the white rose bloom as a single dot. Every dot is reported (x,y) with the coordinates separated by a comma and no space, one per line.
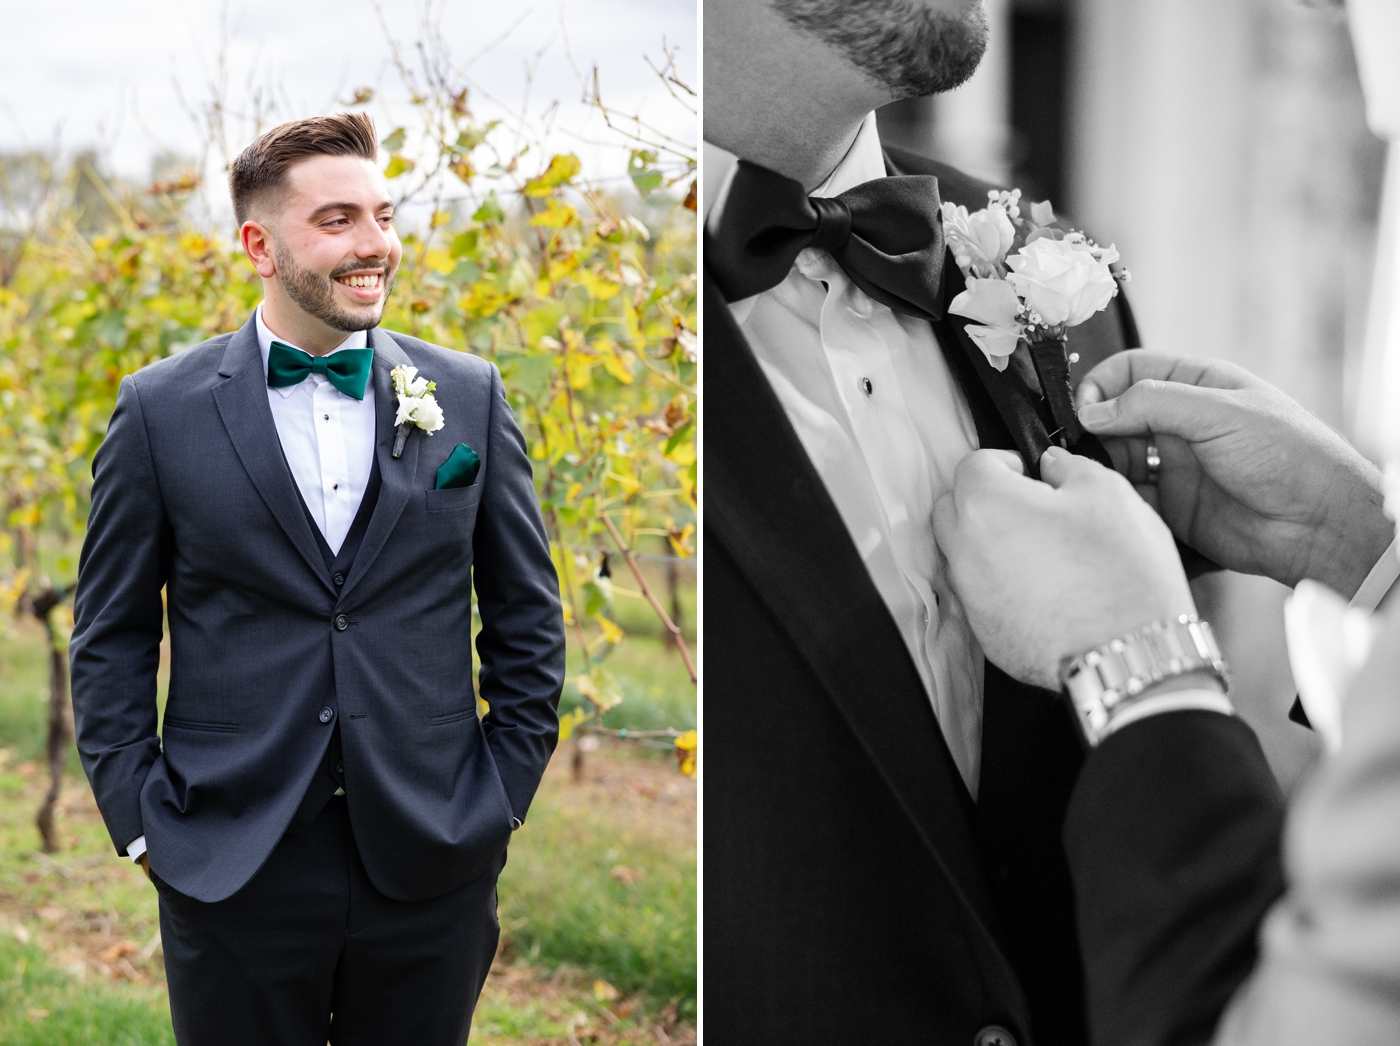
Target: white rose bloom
(426,414)
(1061,280)
(979,241)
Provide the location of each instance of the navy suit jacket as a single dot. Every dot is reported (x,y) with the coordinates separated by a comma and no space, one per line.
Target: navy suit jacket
(191,494)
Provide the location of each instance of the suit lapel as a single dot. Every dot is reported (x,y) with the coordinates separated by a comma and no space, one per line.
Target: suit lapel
(396,476)
(765,502)
(247,417)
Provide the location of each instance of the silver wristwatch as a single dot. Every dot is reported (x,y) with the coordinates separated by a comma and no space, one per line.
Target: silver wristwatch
(1106,680)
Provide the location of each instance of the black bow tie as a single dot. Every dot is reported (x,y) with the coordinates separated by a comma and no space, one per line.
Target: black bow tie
(887,235)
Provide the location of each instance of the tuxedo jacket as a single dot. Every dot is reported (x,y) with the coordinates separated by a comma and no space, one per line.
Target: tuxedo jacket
(854,892)
(271,653)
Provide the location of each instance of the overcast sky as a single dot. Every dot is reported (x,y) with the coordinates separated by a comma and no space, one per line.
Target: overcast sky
(111,75)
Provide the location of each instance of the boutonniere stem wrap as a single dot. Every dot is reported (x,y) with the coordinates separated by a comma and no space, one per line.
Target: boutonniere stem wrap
(417,406)
(1028,282)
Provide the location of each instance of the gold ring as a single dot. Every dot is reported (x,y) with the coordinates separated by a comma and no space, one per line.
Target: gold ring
(1154,464)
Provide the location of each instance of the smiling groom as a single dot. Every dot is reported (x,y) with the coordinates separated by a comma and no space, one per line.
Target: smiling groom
(323,814)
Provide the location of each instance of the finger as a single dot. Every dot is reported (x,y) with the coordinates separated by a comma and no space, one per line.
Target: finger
(1150,494)
(1010,458)
(1133,451)
(986,468)
(1115,375)
(1058,467)
(990,481)
(1118,452)
(1164,408)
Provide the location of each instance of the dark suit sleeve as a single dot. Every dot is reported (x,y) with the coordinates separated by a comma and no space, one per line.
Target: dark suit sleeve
(1173,838)
(115,649)
(521,642)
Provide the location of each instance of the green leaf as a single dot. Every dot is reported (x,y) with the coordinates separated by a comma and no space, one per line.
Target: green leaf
(529,375)
(644,175)
(465,243)
(594,598)
(474,136)
(394,142)
(466,272)
(490,211)
(397,166)
(679,436)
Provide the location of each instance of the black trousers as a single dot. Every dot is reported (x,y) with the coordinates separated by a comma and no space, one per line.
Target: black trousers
(310,952)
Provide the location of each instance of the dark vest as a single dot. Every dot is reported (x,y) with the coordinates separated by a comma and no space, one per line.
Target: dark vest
(330,776)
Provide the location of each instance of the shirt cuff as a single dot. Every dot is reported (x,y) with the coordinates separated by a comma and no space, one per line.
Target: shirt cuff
(1379,581)
(136,848)
(1172,701)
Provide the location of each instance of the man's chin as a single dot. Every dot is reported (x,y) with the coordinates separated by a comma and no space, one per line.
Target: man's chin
(359,317)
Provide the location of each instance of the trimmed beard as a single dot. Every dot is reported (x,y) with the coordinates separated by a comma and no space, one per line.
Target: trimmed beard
(900,44)
(314,294)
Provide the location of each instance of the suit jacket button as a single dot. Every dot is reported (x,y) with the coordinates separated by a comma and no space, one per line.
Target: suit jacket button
(994,1035)
(326,715)
(341,622)
(339,579)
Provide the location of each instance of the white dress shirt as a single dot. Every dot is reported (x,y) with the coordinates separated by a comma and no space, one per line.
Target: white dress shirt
(883,420)
(328,440)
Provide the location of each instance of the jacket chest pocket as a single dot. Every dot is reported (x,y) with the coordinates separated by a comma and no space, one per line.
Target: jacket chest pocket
(456,500)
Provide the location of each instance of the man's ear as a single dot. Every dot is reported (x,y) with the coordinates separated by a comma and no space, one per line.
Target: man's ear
(257,245)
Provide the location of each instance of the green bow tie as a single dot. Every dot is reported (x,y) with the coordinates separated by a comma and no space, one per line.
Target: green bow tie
(348,369)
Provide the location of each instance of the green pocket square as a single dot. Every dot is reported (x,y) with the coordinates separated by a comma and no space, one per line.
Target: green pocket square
(459,470)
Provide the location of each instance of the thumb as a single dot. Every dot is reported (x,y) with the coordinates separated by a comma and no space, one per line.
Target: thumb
(1160,407)
(1059,467)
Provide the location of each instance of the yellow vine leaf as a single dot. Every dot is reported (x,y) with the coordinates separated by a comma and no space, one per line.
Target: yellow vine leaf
(568,721)
(561,170)
(398,165)
(687,748)
(555,215)
(611,632)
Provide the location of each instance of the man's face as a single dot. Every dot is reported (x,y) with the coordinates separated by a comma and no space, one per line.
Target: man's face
(912,48)
(334,241)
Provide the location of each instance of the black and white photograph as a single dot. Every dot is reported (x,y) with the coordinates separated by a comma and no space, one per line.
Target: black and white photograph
(1050,465)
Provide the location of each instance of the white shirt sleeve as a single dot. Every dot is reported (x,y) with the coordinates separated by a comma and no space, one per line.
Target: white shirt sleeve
(136,848)
(1380,580)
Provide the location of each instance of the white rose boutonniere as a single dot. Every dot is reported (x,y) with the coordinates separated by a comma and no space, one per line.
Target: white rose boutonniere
(1027,284)
(417,405)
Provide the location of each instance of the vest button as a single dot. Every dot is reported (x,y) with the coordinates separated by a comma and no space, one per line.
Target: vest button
(341,622)
(339,579)
(326,715)
(340,768)
(994,1035)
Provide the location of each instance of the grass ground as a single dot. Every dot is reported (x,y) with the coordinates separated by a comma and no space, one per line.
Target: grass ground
(597,899)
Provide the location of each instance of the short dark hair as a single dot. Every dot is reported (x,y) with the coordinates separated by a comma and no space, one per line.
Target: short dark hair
(261,169)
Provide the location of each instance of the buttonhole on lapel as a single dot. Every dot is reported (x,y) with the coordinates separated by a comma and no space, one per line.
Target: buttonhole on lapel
(358,715)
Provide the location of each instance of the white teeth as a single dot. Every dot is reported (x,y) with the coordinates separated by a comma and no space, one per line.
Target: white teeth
(361,281)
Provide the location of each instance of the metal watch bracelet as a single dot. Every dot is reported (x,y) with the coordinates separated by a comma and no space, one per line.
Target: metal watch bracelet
(1104,682)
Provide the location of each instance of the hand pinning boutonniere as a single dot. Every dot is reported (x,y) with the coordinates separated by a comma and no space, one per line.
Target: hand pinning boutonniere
(1028,283)
(416,405)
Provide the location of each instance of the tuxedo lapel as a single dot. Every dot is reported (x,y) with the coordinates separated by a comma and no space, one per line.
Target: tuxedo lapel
(242,404)
(396,475)
(768,507)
